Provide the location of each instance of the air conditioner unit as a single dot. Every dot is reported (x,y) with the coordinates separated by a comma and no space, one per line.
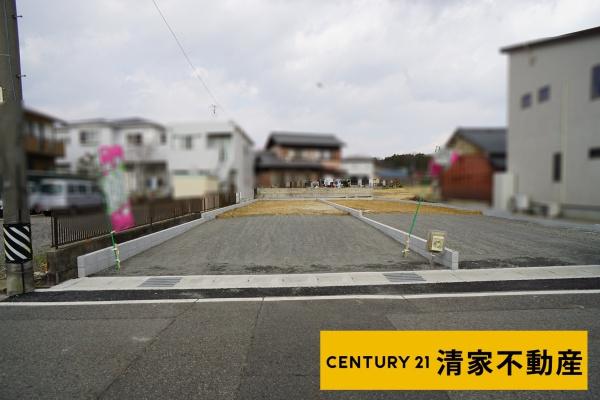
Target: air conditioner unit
(521,202)
(553,210)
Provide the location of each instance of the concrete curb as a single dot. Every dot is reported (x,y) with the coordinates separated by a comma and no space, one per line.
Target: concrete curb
(99,260)
(448,258)
(333,279)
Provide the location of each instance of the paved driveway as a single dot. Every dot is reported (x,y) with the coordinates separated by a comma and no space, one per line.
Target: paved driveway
(489,242)
(274,244)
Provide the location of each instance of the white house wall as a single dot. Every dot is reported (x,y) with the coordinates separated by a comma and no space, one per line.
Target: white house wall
(359,168)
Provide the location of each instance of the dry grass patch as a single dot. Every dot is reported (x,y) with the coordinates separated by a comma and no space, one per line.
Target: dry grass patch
(384,206)
(283,207)
(404,193)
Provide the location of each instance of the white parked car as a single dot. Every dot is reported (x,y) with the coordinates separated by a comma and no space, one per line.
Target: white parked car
(63,194)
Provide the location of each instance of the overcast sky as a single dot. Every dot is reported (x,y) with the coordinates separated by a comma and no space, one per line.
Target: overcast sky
(385,76)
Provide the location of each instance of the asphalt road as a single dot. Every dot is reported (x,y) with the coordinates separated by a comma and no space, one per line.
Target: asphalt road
(247,349)
(490,242)
(274,244)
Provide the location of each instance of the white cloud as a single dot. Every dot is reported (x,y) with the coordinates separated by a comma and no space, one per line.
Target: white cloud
(394,76)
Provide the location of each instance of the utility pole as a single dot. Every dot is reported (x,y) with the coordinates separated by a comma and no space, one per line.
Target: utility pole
(16,226)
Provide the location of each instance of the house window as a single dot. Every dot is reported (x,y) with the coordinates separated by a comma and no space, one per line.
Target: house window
(544,94)
(596,82)
(221,142)
(163,138)
(135,139)
(556,167)
(526,100)
(88,138)
(187,142)
(326,155)
(595,152)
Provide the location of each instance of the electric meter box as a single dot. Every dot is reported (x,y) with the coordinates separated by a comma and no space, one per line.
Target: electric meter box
(436,241)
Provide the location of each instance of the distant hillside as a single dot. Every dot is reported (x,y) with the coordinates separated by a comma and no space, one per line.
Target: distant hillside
(414,162)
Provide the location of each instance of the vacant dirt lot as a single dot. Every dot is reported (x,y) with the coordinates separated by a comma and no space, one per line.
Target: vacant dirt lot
(383,206)
(283,207)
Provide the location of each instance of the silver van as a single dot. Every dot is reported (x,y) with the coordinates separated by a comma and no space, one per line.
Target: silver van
(70,194)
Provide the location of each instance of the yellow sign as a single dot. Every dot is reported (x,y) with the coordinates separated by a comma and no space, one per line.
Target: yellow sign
(454,360)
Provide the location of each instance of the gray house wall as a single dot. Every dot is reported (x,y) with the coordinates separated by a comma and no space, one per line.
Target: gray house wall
(569,123)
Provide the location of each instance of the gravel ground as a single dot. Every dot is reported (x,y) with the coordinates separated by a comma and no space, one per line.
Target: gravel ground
(274,244)
(488,242)
(41,235)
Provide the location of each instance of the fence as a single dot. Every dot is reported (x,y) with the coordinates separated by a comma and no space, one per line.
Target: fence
(69,226)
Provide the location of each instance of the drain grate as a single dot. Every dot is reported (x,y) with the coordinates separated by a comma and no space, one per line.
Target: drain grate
(396,277)
(160,282)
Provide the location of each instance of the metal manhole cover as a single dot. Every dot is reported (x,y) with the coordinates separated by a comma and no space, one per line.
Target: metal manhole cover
(396,277)
(160,282)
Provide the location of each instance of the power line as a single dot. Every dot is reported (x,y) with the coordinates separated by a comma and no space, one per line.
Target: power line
(189,61)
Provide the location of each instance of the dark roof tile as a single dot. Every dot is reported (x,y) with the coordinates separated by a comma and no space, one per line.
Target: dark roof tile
(490,140)
(303,139)
(551,40)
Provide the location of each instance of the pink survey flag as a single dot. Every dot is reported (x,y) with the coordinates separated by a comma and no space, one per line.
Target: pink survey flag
(118,206)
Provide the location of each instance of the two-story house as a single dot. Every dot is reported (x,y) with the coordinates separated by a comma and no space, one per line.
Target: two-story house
(41,145)
(298,159)
(144,142)
(554,123)
(480,152)
(210,156)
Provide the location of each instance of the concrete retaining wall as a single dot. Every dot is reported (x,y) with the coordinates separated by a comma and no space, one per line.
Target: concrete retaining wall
(448,258)
(62,261)
(99,260)
(312,193)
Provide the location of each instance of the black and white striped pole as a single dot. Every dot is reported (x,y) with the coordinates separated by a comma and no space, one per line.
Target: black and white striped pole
(18,254)
(16,229)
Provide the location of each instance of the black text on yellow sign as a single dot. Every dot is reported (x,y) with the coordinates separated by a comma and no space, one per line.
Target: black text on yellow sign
(454,360)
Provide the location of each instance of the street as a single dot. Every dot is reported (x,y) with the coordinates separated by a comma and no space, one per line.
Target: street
(262,348)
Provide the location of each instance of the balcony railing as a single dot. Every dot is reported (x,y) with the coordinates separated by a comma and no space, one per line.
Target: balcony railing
(48,147)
